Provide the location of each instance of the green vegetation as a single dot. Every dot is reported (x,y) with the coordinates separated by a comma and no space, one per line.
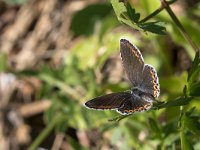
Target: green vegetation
(172,123)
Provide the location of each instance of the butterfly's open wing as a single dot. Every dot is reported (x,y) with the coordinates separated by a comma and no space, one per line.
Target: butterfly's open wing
(109,101)
(134,105)
(150,83)
(132,61)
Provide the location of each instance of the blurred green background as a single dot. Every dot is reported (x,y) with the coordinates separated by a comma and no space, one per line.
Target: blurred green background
(76,57)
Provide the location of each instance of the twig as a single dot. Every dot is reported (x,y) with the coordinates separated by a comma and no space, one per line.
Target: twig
(58,141)
(179,25)
(157,11)
(34,108)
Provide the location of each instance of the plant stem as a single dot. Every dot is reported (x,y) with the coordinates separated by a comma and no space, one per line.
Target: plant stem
(118,118)
(44,133)
(179,25)
(151,15)
(157,11)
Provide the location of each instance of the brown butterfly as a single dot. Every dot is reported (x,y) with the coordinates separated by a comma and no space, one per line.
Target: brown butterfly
(144,80)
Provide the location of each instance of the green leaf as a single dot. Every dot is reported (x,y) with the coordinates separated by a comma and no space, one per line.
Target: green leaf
(119,8)
(195,89)
(27,73)
(154,27)
(190,122)
(127,15)
(178,102)
(185,144)
(194,69)
(122,14)
(83,22)
(132,14)
(193,77)
(154,126)
(130,23)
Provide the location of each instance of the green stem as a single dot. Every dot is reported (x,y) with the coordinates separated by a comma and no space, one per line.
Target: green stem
(157,11)
(185,142)
(179,25)
(118,118)
(151,15)
(44,133)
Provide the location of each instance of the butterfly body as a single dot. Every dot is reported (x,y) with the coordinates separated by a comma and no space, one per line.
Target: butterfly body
(142,95)
(144,81)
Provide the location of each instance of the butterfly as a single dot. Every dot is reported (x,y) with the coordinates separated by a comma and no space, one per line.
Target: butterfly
(144,81)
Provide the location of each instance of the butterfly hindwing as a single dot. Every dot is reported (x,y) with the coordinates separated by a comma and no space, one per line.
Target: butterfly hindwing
(134,105)
(150,83)
(109,101)
(132,61)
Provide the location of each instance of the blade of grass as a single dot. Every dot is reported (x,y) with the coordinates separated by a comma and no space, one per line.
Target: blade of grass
(45,133)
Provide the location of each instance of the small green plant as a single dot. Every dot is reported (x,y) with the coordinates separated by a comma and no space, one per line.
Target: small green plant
(188,122)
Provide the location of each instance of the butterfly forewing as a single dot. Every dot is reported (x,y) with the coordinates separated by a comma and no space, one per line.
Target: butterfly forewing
(132,61)
(109,101)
